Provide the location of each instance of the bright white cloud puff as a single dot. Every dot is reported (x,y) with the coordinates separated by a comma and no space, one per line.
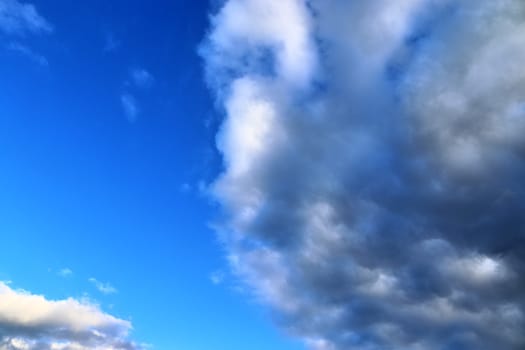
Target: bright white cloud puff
(29,321)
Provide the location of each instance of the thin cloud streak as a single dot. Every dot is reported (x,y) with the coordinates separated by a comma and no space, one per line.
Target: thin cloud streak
(130,107)
(25,51)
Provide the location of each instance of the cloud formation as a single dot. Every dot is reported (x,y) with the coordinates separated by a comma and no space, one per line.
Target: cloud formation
(374,160)
(20,18)
(104,288)
(29,321)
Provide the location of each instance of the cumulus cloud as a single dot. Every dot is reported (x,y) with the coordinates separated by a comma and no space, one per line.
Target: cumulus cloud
(21,18)
(29,321)
(374,158)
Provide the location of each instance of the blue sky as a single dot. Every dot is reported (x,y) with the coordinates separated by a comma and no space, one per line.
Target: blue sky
(116,195)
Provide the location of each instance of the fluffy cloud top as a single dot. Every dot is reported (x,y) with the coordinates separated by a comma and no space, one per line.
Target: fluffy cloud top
(29,321)
(374,160)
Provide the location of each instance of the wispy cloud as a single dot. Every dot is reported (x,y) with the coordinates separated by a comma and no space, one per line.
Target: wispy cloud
(373,151)
(111,43)
(141,78)
(105,288)
(65,272)
(30,321)
(27,52)
(217,277)
(19,18)
(130,107)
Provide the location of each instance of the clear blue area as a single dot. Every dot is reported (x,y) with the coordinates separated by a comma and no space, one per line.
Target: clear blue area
(84,187)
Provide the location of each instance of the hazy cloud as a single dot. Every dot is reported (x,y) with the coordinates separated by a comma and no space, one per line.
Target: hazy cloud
(20,18)
(142,78)
(372,190)
(29,321)
(111,43)
(105,288)
(28,53)
(130,107)
(217,277)
(65,272)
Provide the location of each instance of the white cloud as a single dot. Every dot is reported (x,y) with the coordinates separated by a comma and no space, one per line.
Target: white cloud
(19,18)
(244,27)
(29,321)
(105,288)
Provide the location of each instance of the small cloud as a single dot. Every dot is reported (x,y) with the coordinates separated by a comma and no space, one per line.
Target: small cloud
(142,78)
(185,188)
(203,187)
(129,104)
(111,43)
(104,288)
(65,272)
(27,52)
(31,321)
(217,277)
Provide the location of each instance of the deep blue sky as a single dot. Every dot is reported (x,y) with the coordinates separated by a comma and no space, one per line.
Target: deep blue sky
(88,187)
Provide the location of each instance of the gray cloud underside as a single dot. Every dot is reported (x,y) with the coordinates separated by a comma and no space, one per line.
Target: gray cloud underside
(374,163)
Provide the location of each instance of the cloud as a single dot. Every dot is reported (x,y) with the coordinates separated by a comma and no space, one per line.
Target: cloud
(29,321)
(217,277)
(65,272)
(245,31)
(142,78)
(20,18)
(111,43)
(26,51)
(130,106)
(104,288)
(374,158)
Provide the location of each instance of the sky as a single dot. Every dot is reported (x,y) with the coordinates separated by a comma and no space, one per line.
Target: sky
(106,147)
(254,174)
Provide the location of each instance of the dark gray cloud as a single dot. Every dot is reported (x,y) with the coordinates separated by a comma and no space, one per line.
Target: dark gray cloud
(374,158)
